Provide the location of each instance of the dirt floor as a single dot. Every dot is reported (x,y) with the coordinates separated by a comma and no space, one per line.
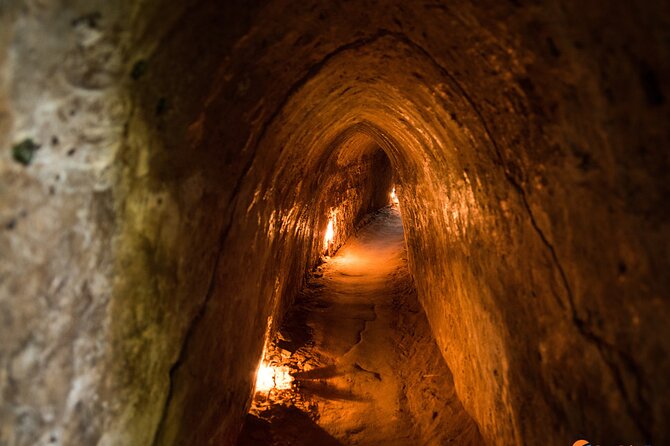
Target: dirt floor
(365,368)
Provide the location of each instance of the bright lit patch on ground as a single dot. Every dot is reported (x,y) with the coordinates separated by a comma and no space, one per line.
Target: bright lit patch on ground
(273,377)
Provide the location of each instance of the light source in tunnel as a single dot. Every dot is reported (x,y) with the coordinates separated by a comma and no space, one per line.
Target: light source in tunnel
(330,233)
(394,198)
(273,377)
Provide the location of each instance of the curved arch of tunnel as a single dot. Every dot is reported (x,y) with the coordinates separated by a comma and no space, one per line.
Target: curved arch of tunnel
(213,140)
(400,98)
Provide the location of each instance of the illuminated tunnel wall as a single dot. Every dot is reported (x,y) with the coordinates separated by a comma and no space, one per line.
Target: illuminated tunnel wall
(190,157)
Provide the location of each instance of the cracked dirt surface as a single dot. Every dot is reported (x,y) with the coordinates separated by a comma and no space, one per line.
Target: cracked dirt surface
(366,368)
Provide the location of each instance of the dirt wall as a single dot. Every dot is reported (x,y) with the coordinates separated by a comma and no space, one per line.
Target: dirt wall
(168,169)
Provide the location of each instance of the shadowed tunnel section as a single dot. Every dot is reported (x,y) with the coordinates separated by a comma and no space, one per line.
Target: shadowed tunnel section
(527,144)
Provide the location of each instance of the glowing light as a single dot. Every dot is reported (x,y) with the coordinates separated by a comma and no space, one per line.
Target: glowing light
(394,198)
(265,379)
(330,233)
(273,377)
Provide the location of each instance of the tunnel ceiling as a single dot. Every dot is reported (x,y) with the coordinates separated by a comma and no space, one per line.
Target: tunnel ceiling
(190,156)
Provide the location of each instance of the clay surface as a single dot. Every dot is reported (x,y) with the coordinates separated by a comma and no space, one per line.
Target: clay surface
(168,169)
(366,369)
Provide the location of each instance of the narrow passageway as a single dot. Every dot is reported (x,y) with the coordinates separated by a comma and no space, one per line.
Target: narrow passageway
(365,368)
(171,174)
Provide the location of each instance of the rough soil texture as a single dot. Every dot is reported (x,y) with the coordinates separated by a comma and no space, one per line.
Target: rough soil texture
(367,369)
(168,168)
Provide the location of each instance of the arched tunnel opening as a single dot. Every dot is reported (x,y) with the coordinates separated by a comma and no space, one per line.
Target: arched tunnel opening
(353,360)
(200,246)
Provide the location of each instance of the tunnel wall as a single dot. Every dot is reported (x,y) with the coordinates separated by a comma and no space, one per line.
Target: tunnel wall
(62,116)
(274,238)
(178,194)
(138,257)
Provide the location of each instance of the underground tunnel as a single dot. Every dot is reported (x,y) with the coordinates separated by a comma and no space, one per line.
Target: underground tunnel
(271,222)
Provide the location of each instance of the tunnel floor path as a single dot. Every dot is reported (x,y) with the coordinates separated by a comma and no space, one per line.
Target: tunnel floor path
(365,367)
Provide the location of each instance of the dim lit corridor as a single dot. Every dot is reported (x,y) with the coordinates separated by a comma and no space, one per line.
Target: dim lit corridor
(365,369)
(197,248)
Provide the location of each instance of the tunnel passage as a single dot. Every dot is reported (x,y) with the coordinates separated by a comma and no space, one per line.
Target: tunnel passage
(354,361)
(169,170)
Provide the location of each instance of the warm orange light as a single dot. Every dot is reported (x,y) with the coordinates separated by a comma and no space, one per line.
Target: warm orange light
(273,377)
(330,233)
(394,198)
(264,379)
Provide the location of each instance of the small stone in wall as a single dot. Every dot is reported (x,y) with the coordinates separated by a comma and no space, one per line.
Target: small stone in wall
(161,106)
(24,151)
(139,69)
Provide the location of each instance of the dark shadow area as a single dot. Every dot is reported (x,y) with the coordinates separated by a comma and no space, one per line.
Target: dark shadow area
(320,373)
(328,391)
(284,426)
